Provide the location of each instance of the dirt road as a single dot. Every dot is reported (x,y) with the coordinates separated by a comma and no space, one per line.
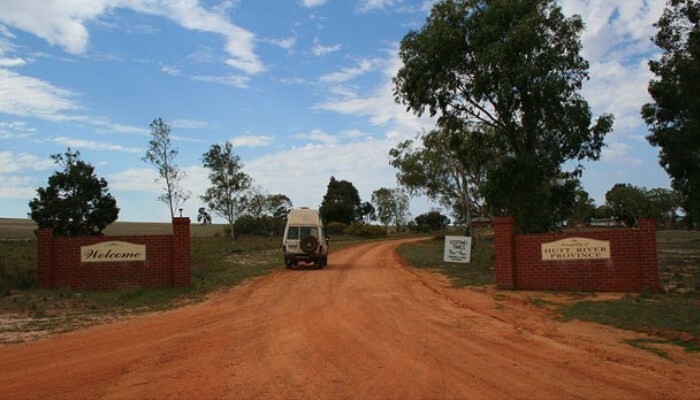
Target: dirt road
(365,327)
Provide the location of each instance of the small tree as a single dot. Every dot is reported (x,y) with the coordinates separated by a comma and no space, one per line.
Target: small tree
(341,203)
(442,170)
(161,154)
(432,221)
(226,196)
(269,211)
(76,202)
(391,206)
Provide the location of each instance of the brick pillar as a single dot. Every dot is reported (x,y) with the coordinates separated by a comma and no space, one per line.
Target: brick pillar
(44,258)
(182,264)
(504,249)
(647,245)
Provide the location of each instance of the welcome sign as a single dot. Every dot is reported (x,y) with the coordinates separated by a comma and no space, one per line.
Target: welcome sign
(113,251)
(576,248)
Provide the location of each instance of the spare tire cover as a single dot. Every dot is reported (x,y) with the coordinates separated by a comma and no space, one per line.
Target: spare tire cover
(308,244)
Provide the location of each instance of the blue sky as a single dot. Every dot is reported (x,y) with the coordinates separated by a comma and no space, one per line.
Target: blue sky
(301,88)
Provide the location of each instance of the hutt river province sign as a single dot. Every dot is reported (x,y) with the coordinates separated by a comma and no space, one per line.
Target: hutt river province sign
(576,248)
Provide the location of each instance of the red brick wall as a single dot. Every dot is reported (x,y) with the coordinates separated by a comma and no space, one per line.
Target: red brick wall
(632,266)
(167,261)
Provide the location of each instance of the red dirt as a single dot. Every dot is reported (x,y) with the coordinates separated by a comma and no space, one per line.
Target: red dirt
(364,327)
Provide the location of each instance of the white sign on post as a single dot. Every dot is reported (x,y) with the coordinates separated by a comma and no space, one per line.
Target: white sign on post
(458,249)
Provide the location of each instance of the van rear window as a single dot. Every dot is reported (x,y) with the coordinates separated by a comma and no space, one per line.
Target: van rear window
(296,232)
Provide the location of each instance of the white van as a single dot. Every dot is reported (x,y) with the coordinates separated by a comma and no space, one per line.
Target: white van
(305,239)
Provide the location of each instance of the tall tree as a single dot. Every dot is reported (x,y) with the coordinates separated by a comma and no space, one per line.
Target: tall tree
(226,196)
(76,202)
(341,203)
(674,116)
(515,68)
(161,154)
(438,169)
(391,206)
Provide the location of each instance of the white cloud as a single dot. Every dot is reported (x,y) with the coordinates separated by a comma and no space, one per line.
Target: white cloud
(364,163)
(135,179)
(239,81)
(11,62)
(313,3)
(80,144)
(321,50)
(11,162)
(15,130)
(24,96)
(16,187)
(251,141)
(189,124)
(369,5)
(285,43)
(63,23)
(349,73)
(379,105)
(317,136)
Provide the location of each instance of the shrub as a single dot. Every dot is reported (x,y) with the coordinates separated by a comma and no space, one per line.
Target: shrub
(336,228)
(366,231)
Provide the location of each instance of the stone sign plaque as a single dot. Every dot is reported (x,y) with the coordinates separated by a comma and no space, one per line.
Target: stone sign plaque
(458,249)
(113,251)
(576,248)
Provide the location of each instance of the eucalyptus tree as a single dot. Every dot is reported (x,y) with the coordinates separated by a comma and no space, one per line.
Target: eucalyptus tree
(226,196)
(674,115)
(513,67)
(161,153)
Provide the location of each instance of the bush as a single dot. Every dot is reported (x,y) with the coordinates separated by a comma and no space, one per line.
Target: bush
(366,231)
(336,228)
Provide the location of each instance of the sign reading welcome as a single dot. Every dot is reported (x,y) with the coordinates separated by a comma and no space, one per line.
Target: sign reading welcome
(576,248)
(113,251)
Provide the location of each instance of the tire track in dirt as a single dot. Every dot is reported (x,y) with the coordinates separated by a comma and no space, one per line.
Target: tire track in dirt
(364,327)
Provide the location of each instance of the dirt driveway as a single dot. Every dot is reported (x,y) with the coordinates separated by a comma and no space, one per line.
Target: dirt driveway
(365,327)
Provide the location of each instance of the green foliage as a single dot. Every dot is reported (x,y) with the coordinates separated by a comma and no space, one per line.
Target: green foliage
(75,202)
(432,221)
(628,203)
(268,211)
(674,116)
(341,203)
(335,228)
(365,231)
(161,154)
(444,168)
(512,69)
(226,195)
(391,206)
